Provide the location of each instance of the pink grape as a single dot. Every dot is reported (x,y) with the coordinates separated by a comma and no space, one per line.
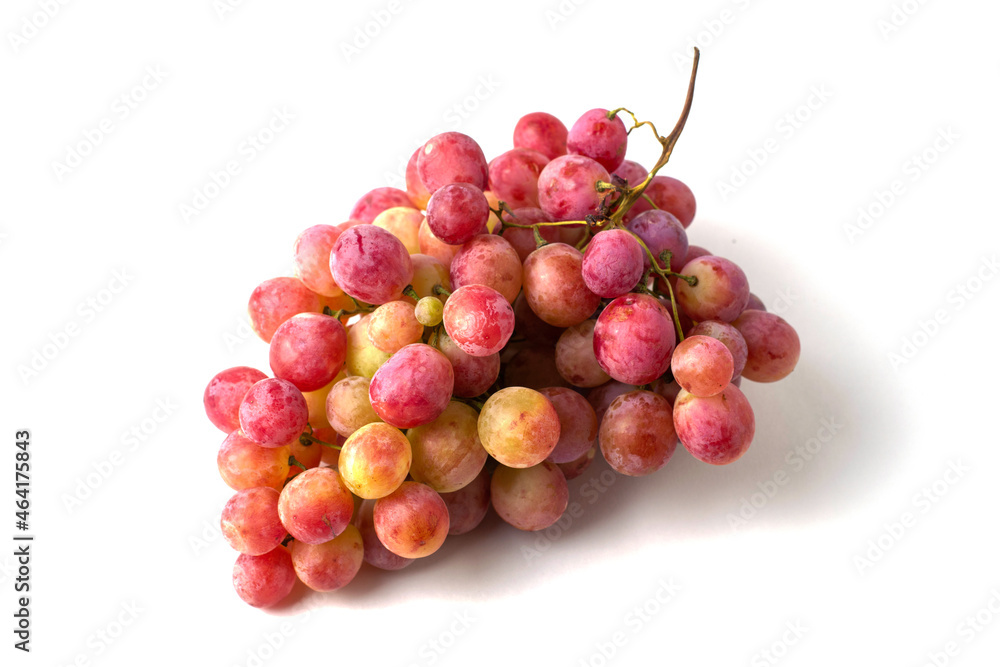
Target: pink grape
(375,460)
(308,350)
(601,398)
(514,177)
(403,223)
(375,552)
(243,464)
(717,429)
(667,390)
(529,498)
(467,507)
(316,506)
(637,433)
(348,407)
(754,303)
(224,394)
(447,453)
(613,263)
(730,336)
(631,172)
(518,427)
(702,365)
(533,366)
(276,300)
(250,521)
(576,467)
(773,346)
(331,565)
(669,195)
(575,359)
(434,247)
(634,338)
(413,387)
(393,326)
(721,293)
(415,188)
(312,259)
(600,138)
(412,521)
(265,580)
(554,286)
(577,424)
(661,231)
(694,252)
(457,212)
(488,260)
(567,187)
(378,200)
(452,157)
(530,326)
(273,413)
(542,132)
(473,375)
(370,264)
(522,239)
(479,319)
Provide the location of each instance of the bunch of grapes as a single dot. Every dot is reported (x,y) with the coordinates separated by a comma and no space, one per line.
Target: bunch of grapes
(473,342)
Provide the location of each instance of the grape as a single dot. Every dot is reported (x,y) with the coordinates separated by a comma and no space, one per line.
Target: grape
(375,552)
(435,247)
(348,407)
(415,189)
(393,326)
(533,366)
(312,259)
(514,177)
(452,157)
(554,286)
(403,223)
(518,427)
(717,429)
(310,456)
(772,345)
(694,252)
(447,453)
(488,260)
(669,195)
(529,498)
(276,300)
(730,337)
(542,132)
(265,580)
(575,358)
(428,272)
(467,507)
(667,390)
(370,264)
(522,239)
(412,521)
(473,375)
(720,294)
(315,506)
(362,357)
(316,402)
(250,521)
(576,467)
(328,455)
(429,311)
(308,350)
(634,338)
(375,460)
(702,365)
(479,319)
(602,397)
(600,138)
(378,200)
(224,394)
(754,303)
(631,172)
(331,565)
(273,413)
(457,212)
(567,187)
(613,263)
(244,464)
(577,424)
(413,387)
(530,326)
(661,231)
(637,433)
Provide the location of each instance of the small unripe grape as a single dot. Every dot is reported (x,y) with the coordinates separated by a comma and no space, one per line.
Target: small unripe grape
(429,311)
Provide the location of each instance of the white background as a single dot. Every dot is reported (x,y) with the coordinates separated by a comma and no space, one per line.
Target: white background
(825,552)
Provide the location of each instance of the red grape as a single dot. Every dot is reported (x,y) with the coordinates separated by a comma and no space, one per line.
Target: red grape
(488,260)
(265,580)
(473,375)
(772,345)
(575,358)
(721,293)
(276,300)
(613,263)
(370,264)
(316,506)
(224,394)
(412,521)
(244,464)
(447,453)
(457,212)
(331,565)
(479,319)
(730,337)
(375,552)
(514,177)
(717,429)
(467,507)
(631,172)
(308,350)
(273,413)
(542,132)
(250,521)
(378,200)
(554,286)
(567,187)
(413,387)
(415,189)
(634,338)
(312,259)
(702,365)
(670,195)
(452,157)
(518,427)
(661,231)
(529,498)
(600,138)
(637,433)
(577,424)
(374,460)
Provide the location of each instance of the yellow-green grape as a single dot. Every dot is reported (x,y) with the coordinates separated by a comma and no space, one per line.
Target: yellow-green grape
(429,311)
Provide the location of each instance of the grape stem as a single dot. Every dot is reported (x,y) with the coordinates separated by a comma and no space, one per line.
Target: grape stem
(307,439)
(440,290)
(292,461)
(410,292)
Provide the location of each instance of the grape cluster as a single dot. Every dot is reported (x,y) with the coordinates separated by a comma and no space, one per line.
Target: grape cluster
(473,342)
